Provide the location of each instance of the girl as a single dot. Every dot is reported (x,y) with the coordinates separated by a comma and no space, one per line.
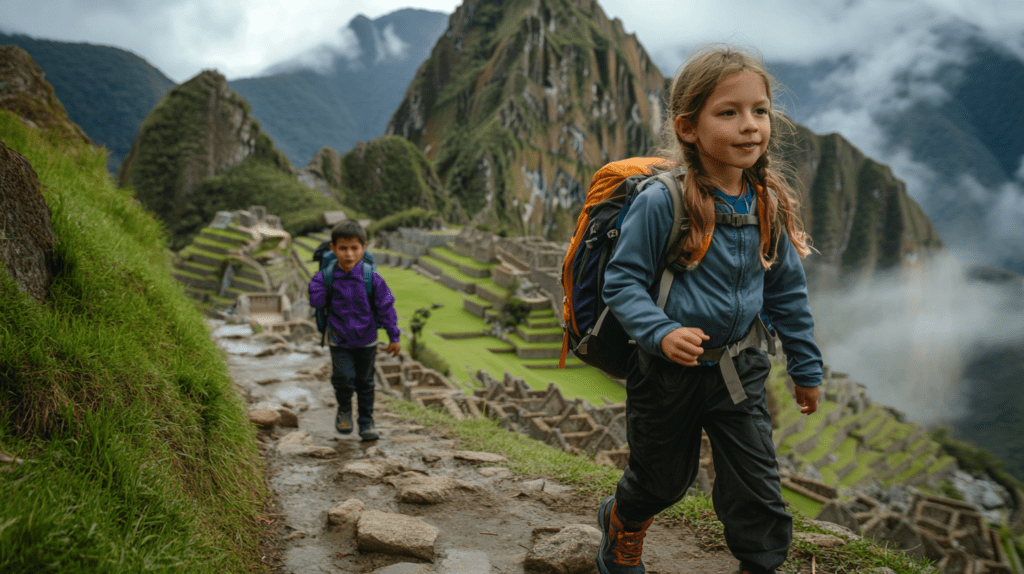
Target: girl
(720,128)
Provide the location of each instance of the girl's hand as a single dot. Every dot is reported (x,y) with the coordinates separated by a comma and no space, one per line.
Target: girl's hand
(683,345)
(807,398)
(394,348)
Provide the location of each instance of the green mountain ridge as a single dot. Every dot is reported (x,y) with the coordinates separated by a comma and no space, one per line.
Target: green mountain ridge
(106,90)
(521,102)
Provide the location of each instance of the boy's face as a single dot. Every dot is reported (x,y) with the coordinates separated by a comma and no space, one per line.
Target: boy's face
(349,251)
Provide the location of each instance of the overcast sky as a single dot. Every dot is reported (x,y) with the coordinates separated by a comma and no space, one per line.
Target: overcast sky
(241,38)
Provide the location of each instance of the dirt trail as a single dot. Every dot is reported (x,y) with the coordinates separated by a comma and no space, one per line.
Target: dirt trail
(487,529)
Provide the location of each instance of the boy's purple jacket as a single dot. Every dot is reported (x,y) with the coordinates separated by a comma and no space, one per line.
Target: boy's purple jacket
(351,320)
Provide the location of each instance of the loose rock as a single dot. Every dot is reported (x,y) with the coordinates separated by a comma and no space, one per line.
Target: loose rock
(474,456)
(403,568)
(301,443)
(570,550)
(373,469)
(818,539)
(288,418)
(396,534)
(836,512)
(264,419)
(414,488)
(345,513)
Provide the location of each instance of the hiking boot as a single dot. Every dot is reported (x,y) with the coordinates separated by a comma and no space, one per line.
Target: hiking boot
(620,550)
(754,570)
(343,422)
(367,432)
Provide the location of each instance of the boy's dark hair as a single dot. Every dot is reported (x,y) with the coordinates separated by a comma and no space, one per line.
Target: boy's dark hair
(348,229)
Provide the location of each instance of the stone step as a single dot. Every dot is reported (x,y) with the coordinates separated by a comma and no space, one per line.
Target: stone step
(476,306)
(230,242)
(531,337)
(205,257)
(200,269)
(538,352)
(196,283)
(212,246)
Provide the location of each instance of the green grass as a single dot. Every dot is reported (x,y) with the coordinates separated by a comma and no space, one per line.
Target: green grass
(540,330)
(461,259)
(825,443)
(139,454)
(413,291)
(529,456)
(453,271)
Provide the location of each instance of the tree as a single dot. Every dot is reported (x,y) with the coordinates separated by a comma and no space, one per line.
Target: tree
(419,320)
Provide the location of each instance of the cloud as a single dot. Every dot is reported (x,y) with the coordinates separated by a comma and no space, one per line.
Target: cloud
(908,337)
(393,46)
(803,31)
(321,58)
(239,38)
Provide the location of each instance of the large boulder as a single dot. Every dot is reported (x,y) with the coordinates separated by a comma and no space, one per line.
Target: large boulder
(26,238)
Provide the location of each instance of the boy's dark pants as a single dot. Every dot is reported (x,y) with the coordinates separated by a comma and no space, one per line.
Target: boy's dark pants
(666,407)
(352,371)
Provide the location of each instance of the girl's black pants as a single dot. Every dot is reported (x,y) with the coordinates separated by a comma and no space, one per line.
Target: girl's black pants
(667,405)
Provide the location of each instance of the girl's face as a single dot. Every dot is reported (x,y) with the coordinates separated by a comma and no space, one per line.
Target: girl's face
(349,251)
(732,129)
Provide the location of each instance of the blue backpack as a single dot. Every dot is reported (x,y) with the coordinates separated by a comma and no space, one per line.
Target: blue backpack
(328,262)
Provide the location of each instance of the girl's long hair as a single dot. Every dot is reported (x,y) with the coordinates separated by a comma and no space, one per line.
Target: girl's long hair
(691,89)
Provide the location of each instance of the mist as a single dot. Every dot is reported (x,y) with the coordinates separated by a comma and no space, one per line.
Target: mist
(909,336)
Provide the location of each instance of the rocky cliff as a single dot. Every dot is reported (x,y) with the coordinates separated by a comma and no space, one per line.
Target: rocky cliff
(25,92)
(387,175)
(377,178)
(106,90)
(200,129)
(200,151)
(859,215)
(521,101)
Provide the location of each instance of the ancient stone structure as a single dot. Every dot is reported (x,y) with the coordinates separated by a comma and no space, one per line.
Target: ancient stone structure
(476,244)
(26,237)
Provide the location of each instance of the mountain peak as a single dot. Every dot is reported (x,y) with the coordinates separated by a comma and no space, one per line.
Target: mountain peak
(25,92)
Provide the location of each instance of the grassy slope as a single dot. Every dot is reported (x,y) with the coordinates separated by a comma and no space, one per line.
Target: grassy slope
(138,453)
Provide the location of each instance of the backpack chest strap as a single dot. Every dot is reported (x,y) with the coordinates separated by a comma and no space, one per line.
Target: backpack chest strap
(724,355)
(736,219)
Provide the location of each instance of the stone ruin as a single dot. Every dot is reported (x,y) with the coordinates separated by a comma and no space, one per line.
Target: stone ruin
(533,259)
(570,425)
(534,262)
(952,533)
(476,244)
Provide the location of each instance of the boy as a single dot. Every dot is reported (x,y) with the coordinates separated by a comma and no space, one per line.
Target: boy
(352,326)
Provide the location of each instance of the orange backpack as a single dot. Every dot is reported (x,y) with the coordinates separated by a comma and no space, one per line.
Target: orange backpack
(589,329)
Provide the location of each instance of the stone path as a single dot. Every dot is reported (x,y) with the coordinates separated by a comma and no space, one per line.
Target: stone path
(411,502)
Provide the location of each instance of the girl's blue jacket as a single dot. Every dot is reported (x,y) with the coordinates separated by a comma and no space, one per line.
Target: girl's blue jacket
(722,296)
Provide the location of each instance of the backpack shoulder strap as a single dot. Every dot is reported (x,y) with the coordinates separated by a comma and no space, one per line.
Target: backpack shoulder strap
(680,217)
(328,272)
(368,269)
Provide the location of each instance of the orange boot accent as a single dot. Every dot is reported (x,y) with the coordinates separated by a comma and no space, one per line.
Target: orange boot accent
(628,545)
